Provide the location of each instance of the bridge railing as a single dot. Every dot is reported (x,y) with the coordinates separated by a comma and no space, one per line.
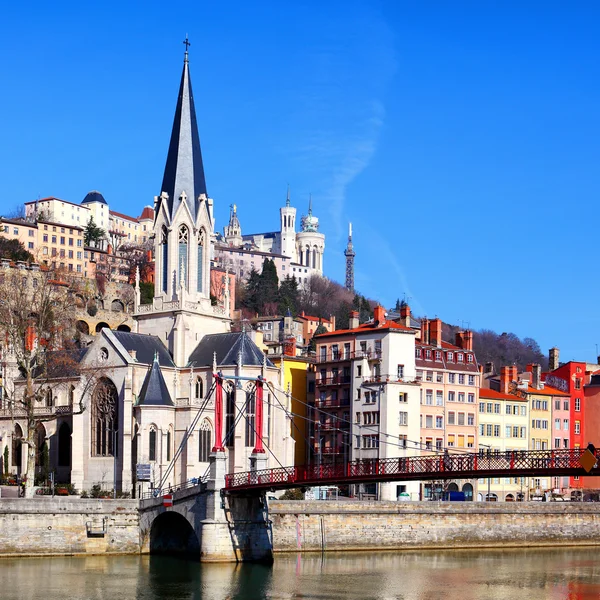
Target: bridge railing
(441,465)
(190,483)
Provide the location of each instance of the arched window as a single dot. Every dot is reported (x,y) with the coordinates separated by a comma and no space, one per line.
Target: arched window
(49,399)
(200,273)
(169,445)
(152,444)
(165,258)
(314,258)
(41,447)
(182,259)
(71,395)
(64,445)
(199,388)
(17,446)
(204,443)
(230,416)
(250,417)
(104,418)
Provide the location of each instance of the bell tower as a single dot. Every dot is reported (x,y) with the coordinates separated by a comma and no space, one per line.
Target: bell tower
(181,312)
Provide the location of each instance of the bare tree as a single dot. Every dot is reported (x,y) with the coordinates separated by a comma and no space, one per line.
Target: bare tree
(37,322)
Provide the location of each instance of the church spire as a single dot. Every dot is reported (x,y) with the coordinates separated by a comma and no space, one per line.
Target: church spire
(184,171)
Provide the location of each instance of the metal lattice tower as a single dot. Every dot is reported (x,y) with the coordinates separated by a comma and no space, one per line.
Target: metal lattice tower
(349,254)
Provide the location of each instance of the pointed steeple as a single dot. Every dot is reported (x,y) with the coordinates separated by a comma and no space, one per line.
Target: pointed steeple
(184,171)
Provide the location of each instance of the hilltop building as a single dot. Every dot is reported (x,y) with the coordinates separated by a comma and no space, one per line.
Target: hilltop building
(297,254)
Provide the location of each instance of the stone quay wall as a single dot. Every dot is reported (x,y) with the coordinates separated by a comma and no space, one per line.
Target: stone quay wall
(348,526)
(68,526)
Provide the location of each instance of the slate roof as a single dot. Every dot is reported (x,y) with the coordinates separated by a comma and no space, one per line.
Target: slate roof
(154,390)
(184,171)
(228,347)
(94,196)
(145,347)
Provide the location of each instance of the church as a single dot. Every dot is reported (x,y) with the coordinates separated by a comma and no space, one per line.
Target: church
(154,401)
(297,254)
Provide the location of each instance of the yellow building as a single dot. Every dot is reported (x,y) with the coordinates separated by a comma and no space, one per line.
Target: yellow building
(503,426)
(294,392)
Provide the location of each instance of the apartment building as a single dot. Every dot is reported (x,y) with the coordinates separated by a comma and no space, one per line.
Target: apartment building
(449,393)
(503,427)
(367,398)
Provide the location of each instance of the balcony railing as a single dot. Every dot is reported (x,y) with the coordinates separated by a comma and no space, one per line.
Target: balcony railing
(341,355)
(335,380)
(332,403)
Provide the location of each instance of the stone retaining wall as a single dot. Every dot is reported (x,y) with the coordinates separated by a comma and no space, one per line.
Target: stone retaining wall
(335,526)
(64,526)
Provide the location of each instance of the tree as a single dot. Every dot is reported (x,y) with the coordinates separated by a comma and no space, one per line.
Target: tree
(269,288)
(251,296)
(37,323)
(288,296)
(93,233)
(14,250)
(312,345)
(146,292)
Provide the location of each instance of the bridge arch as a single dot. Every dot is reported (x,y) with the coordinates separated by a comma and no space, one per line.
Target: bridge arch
(171,533)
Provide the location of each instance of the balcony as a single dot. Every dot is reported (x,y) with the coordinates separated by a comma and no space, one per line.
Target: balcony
(335,426)
(340,355)
(335,380)
(332,403)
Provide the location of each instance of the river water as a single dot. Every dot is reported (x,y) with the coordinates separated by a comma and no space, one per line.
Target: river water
(572,574)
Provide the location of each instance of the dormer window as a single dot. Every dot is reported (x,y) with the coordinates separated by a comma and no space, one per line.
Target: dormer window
(450,356)
(469,358)
(460,357)
(438,355)
(418,352)
(428,354)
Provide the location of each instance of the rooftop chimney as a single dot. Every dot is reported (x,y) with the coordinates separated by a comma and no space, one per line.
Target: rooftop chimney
(405,315)
(537,376)
(379,315)
(553,358)
(435,332)
(489,368)
(425,330)
(505,379)
(353,321)
(459,339)
(468,340)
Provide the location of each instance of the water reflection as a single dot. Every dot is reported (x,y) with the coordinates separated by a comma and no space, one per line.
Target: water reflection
(570,574)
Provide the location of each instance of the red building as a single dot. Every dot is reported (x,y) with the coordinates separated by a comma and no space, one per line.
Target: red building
(591,421)
(571,378)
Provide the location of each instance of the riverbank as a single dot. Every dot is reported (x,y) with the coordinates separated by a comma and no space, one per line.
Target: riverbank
(300,526)
(68,526)
(76,526)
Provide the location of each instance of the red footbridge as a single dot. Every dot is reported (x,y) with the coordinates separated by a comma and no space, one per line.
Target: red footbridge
(533,463)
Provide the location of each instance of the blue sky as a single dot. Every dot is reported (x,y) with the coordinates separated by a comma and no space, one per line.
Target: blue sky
(460,138)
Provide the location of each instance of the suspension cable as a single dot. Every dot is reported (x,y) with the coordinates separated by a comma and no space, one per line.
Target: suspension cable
(188,432)
(372,428)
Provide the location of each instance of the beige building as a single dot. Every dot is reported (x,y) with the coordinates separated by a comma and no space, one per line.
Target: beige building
(449,392)
(503,427)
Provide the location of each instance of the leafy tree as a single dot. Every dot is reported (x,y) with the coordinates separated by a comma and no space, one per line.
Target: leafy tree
(251,296)
(146,292)
(14,250)
(93,233)
(288,296)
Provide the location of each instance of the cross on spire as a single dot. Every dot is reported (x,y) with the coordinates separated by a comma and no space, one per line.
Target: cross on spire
(187,44)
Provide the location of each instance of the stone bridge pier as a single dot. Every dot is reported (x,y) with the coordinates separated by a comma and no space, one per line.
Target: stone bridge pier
(204,523)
